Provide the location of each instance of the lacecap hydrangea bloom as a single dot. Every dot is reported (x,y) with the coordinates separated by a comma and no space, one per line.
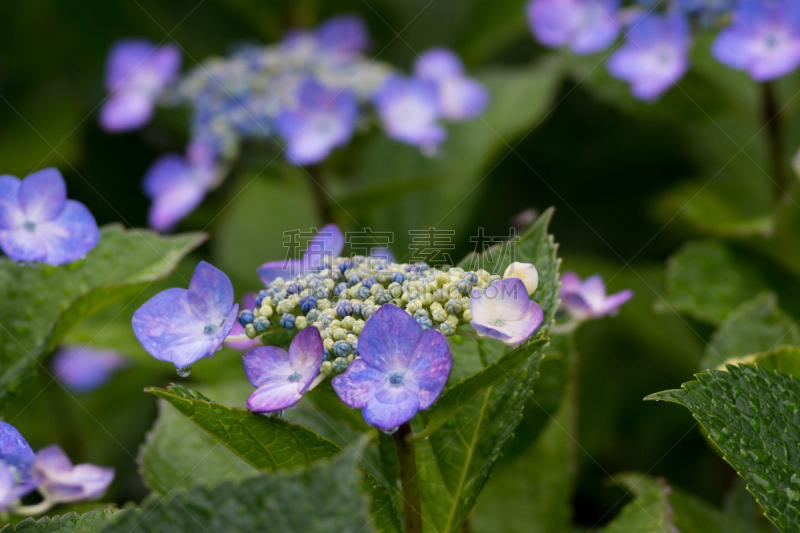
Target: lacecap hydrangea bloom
(587,299)
(308,93)
(39,224)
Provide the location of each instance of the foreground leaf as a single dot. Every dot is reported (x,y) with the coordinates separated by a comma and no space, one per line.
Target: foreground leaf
(91,522)
(41,303)
(752,415)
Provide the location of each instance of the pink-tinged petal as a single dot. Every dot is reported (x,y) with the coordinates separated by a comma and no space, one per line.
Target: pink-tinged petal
(358,384)
(126,111)
(462,98)
(274,395)
(575,303)
(512,332)
(305,354)
(570,280)
(327,244)
(344,34)
(267,363)
(248,302)
(506,299)
(70,236)
(42,195)
(594,288)
(11,214)
(431,363)
(438,64)
(391,407)
(53,459)
(269,272)
(613,302)
(83,369)
(64,483)
(125,58)
(210,293)
(491,332)
(388,339)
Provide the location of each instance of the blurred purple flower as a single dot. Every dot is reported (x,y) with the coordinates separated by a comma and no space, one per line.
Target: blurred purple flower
(402,369)
(248,302)
(322,120)
(328,244)
(585,26)
(460,97)
(182,326)
(764,38)
(63,482)
(177,185)
(38,223)
(655,54)
(504,312)
(83,369)
(343,35)
(409,109)
(585,299)
(17,478)
(281,378)
(137,72)
(383,253)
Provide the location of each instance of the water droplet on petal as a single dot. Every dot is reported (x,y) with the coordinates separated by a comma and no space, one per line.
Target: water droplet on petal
(390,431)
(185,371)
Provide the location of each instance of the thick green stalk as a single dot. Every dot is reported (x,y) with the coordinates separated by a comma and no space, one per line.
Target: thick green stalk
(408,479)
(773,129)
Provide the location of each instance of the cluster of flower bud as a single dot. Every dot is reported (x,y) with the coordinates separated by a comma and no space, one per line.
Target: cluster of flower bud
(340,298)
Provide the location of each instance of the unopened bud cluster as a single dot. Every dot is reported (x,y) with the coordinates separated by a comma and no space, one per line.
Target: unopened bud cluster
(340,298)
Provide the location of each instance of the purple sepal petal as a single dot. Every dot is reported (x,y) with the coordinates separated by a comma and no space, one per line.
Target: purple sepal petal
(438,64)
(15,452)
(358,384)
(504,312)
(64,482)
(388,339)
(125,111)
(248,302)
(390,407)
(588,298)
(431,363)
(344,34)
(210,293)
(83,369)
(70,236)
(383,253)
(462,98)
(327,244)
(587,26)
(305,353)
(11,213)
(42,195)
(269,272)
(409,109)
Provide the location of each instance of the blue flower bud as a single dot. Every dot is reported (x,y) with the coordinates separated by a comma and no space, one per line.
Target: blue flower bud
(369,311)
(337,291)
(453,307)
(358,308)
(312,315)
(355,279)
(261,295)
(471,277)
(341,348)
(287,321)
(291,288)
(325,354)
(420,313)
(245,317)
(308,303)
(339,365)
(397,277)
(345,308)
(362,293)
(261,324)
(440,295)
(278,296)
(425,322)
(322,293)
(344,264)
(464,286)
(369,282)
(382,297)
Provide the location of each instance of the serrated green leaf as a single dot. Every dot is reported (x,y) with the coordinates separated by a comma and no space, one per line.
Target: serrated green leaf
(91,522)
(756,326)
(707,280)
(325,498)
(41,303)
(267,443)
(455,461)
(751,414)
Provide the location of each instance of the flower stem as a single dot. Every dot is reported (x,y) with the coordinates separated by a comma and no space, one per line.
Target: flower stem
(773,127)
(408,479)
(237,338)
(35,509)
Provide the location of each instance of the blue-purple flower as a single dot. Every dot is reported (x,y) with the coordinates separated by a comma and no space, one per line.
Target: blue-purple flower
(177,185)
(136,73)
(764,38)
(327,245)
(63,482)
(281,378)
(402,369)
(83,369)
(17,478)
(585,299)
(38,223)
(321,120)
(182,326)
(409,110)
(585,26)
(655,54)
(504,312)
(460,97)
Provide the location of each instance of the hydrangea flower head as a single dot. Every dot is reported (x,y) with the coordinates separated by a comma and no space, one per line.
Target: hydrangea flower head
(585,26)
(38,223)
(177,185)
(409,110)
(17,478)
(327,245)
(460,97)
(504,312)
(764,38)
(402,369)
(655,54)
(83,369)
(281,378)
(63,482)
(136,74)
(321,120)
(587,298)
(182,326)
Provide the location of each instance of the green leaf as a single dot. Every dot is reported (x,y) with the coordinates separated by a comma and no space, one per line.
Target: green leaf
(41,303)
(751,414)
(325,498)
(464,392)
(756,326)
(267,443)
(91,522)
(707,280)
(657,507)
(455,461)
(784,359)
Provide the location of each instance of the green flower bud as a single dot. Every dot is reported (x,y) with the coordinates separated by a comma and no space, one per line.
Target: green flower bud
(250,331)
(426,299)
(328,344)
(301,322)
(358,326)
(442,278)
(278,282)
(266,310)
(326,368)
(347,322)
(439,315)
(323,304)
(447,329)
(339,334)
(441,296)
(466,316)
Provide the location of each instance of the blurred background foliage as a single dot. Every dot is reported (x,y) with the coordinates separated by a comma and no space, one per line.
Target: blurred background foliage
(631,182)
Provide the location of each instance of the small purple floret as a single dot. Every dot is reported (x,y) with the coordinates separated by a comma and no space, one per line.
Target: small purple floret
(182,326)
(281,378)
(83,369)
(409,110)
(587,299)
(328,244)
(402,369)
(38,223)
(586,26)
(504,312)
(460,97)
(63,482)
